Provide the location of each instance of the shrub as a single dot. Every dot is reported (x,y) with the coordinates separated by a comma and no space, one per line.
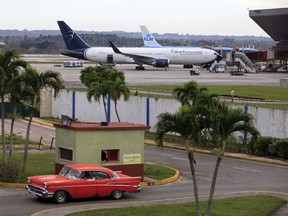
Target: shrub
(9,171)
(262,146)
(279,149)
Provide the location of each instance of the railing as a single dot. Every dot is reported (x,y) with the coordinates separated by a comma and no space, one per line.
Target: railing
(244,61)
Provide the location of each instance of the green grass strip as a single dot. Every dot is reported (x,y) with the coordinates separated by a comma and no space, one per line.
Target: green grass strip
(252,205)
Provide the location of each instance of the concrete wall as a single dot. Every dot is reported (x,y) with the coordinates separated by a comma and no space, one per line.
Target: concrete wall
(46,103)
(270,122)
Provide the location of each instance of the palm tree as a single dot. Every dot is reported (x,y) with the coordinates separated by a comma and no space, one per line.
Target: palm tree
(16,95)
(10,64)
(96,79)
(189,93)
(119,88)
(224,122)
(34,83)
(99,89)
(101,82)
(185,123)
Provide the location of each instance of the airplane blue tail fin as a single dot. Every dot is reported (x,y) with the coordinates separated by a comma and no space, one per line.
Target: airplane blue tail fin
(72,40)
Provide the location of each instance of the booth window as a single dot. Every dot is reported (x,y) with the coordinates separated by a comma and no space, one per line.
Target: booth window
(110,155)
(66,154)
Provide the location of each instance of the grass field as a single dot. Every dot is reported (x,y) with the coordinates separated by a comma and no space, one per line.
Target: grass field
(243,206)
(260,92)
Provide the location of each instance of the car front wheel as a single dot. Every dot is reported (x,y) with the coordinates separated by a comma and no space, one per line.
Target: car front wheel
(60,197)
(117,194)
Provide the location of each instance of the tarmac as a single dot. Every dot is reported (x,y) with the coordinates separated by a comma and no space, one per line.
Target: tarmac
(148,182)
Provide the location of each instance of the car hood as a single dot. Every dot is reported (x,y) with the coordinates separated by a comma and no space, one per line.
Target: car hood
(47,179)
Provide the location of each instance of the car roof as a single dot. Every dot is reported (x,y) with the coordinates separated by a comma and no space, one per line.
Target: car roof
(90,167)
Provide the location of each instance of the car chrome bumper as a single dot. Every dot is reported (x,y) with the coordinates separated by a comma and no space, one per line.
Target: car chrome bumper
(139,188)
(40,192)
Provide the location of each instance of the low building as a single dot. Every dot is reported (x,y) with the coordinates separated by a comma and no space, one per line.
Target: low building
(116,145)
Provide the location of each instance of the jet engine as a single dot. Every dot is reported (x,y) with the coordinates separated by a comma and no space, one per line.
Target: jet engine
(161,63)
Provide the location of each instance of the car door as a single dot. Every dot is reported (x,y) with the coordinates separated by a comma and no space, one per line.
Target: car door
(105,184)
(86,185)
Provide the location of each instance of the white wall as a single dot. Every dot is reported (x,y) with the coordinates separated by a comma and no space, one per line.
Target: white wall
(270,122)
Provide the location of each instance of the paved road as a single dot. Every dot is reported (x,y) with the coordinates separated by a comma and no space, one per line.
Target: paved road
(236,178)
(36,132)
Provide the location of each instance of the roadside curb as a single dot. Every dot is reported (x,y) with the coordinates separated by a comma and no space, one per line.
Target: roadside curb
(163,181)
(12,185)
(41,122)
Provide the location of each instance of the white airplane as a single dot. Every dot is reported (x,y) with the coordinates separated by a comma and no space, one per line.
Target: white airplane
(159,57)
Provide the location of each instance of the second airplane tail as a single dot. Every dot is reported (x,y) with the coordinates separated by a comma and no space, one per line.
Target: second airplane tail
(148,38)
(72,40)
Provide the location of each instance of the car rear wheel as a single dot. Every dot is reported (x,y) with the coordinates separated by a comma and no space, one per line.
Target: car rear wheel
(117,194)
(60,197)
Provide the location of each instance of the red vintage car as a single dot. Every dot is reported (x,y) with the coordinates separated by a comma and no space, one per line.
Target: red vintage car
(83,181)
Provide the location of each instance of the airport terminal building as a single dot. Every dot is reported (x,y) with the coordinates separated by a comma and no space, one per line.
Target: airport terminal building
(274,23)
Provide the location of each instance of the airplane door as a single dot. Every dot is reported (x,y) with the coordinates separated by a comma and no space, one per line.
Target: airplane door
(110,59)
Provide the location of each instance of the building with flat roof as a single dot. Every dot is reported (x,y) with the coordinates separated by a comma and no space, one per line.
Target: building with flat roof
(116,145)
(274,23)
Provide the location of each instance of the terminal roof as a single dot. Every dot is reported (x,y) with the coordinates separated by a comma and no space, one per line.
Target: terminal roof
(272,21)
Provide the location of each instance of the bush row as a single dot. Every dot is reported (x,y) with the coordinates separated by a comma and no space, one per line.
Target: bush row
(269,146)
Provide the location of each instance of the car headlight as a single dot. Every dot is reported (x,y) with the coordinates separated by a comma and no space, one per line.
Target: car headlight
(45,186)
(28,180)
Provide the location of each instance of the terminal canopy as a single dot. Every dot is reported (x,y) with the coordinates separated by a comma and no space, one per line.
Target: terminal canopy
(272,21)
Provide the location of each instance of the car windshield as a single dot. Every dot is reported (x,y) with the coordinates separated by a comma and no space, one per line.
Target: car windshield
(70,173)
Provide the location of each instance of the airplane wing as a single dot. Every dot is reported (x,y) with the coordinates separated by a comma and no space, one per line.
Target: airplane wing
(137,58)
(73,54)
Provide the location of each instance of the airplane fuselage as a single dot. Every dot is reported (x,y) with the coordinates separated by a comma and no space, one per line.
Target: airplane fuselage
(174,55)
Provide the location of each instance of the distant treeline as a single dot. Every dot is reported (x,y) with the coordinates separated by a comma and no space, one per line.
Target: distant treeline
(53,44)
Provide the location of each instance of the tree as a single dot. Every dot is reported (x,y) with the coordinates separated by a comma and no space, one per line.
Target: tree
(34,83)
(10,64)
(224,121)
(207,117)
(185,123)
(189,93)
(118,88)
(101,82)
(16,87)
(96,79)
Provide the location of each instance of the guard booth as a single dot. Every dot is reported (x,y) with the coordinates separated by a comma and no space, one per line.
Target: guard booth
(116,145)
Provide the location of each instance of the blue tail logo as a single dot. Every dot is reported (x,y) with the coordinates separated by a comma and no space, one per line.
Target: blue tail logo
(69,36)
(148,37)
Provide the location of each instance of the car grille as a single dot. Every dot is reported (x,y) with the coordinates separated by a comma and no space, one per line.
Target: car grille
(37,189)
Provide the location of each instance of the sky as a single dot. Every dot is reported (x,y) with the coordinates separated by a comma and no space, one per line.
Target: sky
(198,17)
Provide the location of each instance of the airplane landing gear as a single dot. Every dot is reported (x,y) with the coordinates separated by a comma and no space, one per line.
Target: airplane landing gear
(139,68)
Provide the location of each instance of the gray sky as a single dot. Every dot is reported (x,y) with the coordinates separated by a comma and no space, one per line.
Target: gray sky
(204,17)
